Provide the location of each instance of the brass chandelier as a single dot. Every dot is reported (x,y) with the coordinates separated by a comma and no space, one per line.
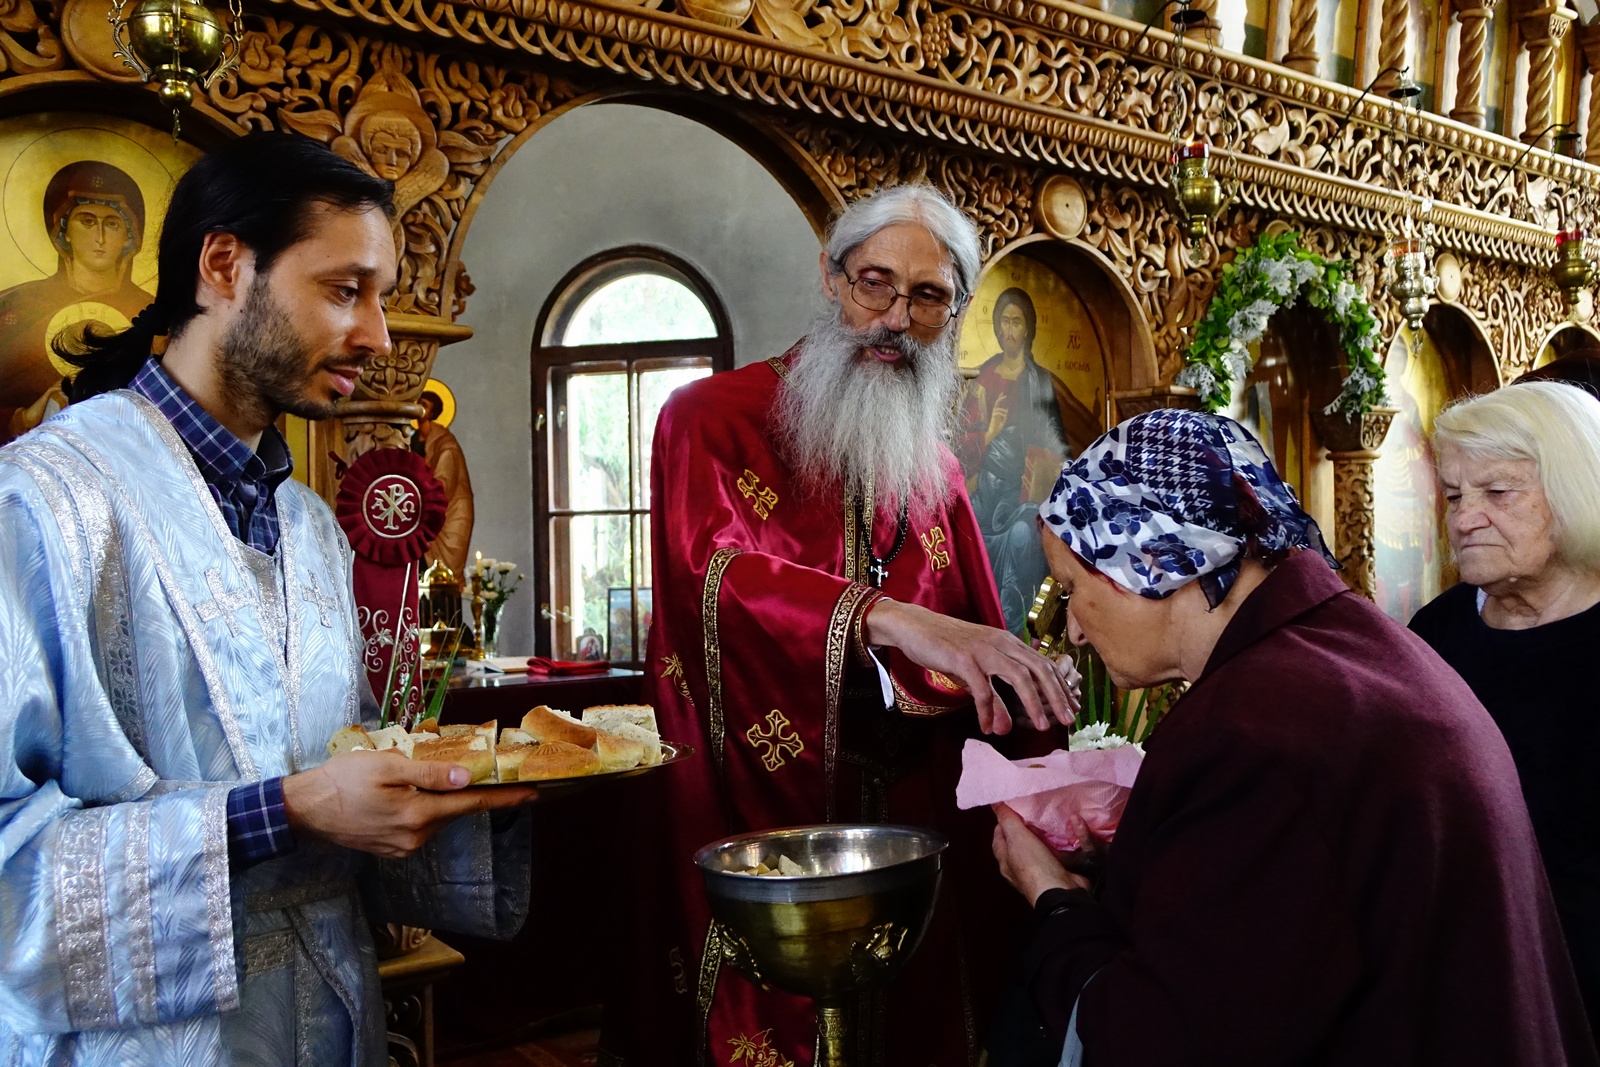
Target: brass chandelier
(177,44)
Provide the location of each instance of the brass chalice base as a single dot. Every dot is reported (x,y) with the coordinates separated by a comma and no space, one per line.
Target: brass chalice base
(848,923)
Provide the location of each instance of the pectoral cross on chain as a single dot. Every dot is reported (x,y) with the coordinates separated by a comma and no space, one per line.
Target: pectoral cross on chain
(312,592)
(223,603)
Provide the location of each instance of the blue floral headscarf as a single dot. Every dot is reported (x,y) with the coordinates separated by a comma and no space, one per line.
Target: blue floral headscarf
(1171,497)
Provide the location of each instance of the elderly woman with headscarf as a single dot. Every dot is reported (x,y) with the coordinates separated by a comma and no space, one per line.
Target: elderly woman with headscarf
(1325,858)
(1520,469)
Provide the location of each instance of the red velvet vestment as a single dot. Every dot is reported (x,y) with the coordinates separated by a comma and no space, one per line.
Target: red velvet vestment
(755,659)
(1325,860)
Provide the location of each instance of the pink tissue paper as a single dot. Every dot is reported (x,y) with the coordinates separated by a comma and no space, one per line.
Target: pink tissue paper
(1047,791)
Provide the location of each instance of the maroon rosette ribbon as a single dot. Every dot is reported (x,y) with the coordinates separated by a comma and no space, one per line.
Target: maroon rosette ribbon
(390,506)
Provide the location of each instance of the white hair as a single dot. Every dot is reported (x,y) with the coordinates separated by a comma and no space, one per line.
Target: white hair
(918,203)
(1556,425)
(850,422)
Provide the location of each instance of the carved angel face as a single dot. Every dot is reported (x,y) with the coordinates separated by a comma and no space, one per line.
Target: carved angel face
(392,143)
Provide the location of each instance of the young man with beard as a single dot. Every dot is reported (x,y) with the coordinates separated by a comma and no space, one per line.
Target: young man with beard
(826,622)
(181,860)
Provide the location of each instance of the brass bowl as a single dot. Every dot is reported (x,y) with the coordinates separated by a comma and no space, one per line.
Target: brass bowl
(849,923)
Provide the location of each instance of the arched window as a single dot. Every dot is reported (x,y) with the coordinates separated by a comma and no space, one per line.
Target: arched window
(620,333)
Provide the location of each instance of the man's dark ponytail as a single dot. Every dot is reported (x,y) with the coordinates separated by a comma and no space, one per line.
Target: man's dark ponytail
(110,360)
(258,189)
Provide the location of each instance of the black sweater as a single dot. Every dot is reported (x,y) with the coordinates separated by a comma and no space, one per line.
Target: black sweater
(1542,686)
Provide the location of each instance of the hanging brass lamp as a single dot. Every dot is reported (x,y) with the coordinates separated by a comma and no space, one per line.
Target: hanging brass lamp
(1197,196)
(177,44)
(1573,272)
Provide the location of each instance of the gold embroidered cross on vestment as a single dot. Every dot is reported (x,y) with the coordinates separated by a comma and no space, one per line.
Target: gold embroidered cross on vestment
(762,498)
(778,740)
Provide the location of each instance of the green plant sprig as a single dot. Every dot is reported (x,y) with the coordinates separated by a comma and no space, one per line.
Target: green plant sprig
(1245,288)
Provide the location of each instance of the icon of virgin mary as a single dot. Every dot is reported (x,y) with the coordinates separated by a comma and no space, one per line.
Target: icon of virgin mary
(94,214)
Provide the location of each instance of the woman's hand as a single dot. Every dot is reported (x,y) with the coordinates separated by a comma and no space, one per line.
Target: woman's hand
(1027,862)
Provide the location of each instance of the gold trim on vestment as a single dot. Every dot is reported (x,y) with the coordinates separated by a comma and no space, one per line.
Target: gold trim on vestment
(706,988)
(907,705)
(708,612)
(843,628)
(777,364)
(855,567)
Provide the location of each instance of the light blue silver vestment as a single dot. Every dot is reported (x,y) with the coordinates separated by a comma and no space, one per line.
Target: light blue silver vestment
(149,662)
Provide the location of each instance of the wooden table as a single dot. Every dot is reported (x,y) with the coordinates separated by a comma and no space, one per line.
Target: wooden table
(506,698)
(407,982)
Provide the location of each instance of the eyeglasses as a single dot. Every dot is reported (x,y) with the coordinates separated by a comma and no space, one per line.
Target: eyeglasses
(926,309)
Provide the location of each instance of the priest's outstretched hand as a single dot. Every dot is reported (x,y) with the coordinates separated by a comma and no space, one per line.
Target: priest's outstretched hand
(383,803)
(973,654)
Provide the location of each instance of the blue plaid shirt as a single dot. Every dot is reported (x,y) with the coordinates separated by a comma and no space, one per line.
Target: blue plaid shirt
(243,482)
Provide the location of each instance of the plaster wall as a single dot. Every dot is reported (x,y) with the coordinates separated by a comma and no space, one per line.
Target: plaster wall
(601,177)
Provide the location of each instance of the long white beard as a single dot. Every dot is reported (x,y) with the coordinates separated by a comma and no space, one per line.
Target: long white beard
(844,418)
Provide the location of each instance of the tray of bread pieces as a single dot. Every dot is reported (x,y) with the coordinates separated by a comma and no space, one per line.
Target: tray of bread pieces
(553,749)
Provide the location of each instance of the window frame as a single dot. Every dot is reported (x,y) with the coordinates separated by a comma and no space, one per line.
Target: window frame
(546,358)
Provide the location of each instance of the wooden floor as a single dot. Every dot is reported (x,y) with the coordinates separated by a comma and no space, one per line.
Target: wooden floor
(577,1049)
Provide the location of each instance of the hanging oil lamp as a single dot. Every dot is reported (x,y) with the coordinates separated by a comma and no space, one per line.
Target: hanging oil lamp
(177,44)
(1412,282)
(1197,196)
(1573,272)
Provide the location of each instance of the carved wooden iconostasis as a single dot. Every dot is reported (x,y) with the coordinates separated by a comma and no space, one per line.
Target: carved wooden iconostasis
(1031,114)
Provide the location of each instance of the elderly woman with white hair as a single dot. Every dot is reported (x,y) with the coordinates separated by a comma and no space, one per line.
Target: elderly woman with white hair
(1325,858)
(1521,474)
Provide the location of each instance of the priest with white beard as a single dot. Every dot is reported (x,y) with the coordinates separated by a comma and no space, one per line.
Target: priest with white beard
(827,634)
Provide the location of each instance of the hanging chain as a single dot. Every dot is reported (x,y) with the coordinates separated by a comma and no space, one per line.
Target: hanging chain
(1179,81)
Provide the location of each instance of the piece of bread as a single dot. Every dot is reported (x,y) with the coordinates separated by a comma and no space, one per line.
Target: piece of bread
(393,737)
(648,740)
(610,716)
(508,760)
(618,753)
(459,729)
(427,726)
(469,752)
(349,739)
(557,759)
(546,724)
(513,736)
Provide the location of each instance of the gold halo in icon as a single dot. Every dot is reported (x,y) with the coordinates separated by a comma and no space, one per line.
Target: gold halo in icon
(447,400)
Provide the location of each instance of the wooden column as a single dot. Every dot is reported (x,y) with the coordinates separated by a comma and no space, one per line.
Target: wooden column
(1542,30)
(1353,447)
(1589,45)
(1207,31)
(1469,67)
(380,413)
(1302,54)
(1392,42)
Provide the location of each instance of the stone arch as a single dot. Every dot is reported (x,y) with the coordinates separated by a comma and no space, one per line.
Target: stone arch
(789,165)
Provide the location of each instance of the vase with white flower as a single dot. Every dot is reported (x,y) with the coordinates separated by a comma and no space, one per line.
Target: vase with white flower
(491,582)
